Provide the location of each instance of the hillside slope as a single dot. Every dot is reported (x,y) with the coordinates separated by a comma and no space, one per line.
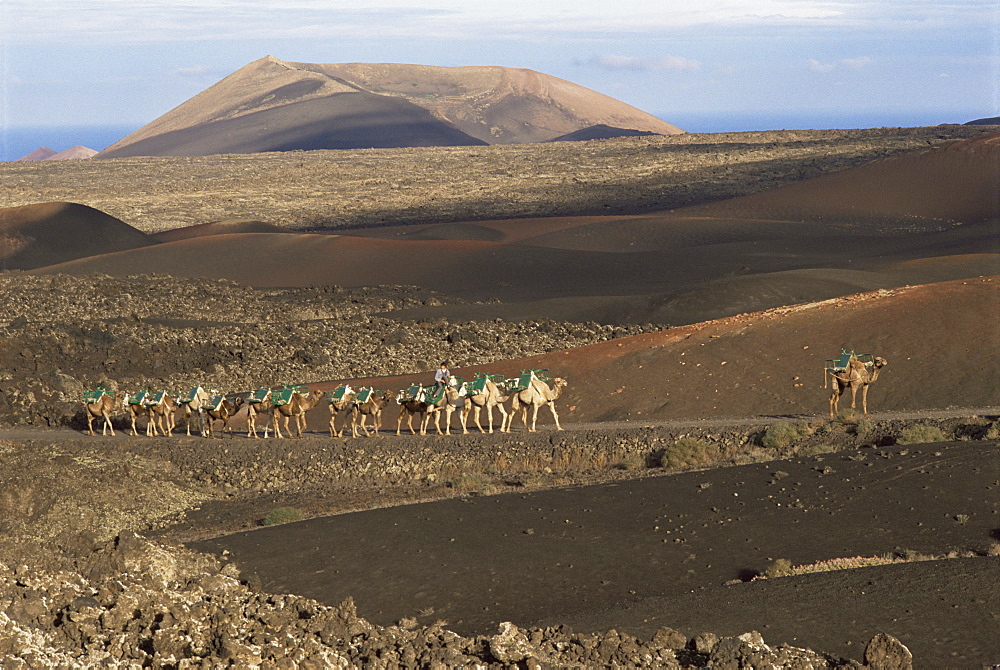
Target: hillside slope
(274,105)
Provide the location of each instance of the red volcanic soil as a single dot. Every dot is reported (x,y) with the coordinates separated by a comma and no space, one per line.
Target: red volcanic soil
(941,341)
(952,181)
(38,235)
(921,217)
(216,228)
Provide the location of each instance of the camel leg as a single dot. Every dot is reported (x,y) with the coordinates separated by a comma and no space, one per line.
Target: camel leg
(90,422)
(399,422)
(534,417)
(276,426)
(854,394)
(333,425)
(107,424)
(552,408)
(503,418)
(475,415)
(864,399)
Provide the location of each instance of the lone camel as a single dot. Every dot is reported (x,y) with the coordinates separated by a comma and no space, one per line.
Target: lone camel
(857,375)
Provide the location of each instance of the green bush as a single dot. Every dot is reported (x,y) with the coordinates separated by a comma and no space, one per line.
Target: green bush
(282,515)
(689,452)
(920,434)
(782,435)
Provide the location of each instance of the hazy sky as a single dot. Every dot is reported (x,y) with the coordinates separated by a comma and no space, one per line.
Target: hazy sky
(701,64)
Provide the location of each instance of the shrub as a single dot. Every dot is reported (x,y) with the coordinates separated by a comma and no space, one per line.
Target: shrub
(283,515)
(780,567)
(816,449)
(689,452)
(920,434)
(472,483)
(993,432)
(782,435)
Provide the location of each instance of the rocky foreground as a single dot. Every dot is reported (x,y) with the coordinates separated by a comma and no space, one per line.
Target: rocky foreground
(136,603)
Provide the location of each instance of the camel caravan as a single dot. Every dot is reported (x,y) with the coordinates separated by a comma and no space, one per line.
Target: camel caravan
(361,407)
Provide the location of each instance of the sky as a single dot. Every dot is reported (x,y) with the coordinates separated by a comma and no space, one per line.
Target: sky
(703,65)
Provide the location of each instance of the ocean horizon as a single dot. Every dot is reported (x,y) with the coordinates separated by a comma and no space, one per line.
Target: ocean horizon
(19,141)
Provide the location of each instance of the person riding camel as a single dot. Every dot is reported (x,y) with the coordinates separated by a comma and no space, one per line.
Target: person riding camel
(441,378)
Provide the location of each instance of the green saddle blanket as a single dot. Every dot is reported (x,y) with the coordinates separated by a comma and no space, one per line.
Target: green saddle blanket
(840,364)
(339,393)
(138,398)
(478,385)
(363,395)
(260,395)
(215,402)
(190,396)
(95,395)
(154,398)
(284,396)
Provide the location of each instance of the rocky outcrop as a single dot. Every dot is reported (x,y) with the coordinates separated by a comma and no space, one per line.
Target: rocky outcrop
(135,603)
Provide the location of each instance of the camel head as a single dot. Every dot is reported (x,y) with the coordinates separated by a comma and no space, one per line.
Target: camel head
(387,396)
(880,362)
(558,384)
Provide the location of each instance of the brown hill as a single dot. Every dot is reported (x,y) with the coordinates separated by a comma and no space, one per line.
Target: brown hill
(38,235)
(949,182)
(77,152)
(39,154)
(216,228)
(274,105)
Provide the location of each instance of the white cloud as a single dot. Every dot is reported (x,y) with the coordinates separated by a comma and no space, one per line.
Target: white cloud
(817,66)
(848,63)
(617,62)
(171,20)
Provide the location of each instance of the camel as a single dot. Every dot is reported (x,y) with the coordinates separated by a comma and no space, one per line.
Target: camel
(102,406)
(341,402)
(255,408)
(370,408)
(409,405)
(136,406)
(856,375)
(449,403)
(297,406)
(536,395)
(161,415)
(490,397)
(191,404)
(225,411)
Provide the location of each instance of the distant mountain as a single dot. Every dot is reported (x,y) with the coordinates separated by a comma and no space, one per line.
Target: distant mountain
(273,105)
(73,153)
(39,154)
(46,154)
(991,121)
(600,132)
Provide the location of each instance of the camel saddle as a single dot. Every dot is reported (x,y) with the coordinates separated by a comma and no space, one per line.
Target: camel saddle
(415,392)
(260,395)
(215,402)
(90,397)
(434,394)
(478,386)
(139,398)
(363,395)
(189,396)
(154,398)
(841,364)
(284,396)
(524,381)
(339,393)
